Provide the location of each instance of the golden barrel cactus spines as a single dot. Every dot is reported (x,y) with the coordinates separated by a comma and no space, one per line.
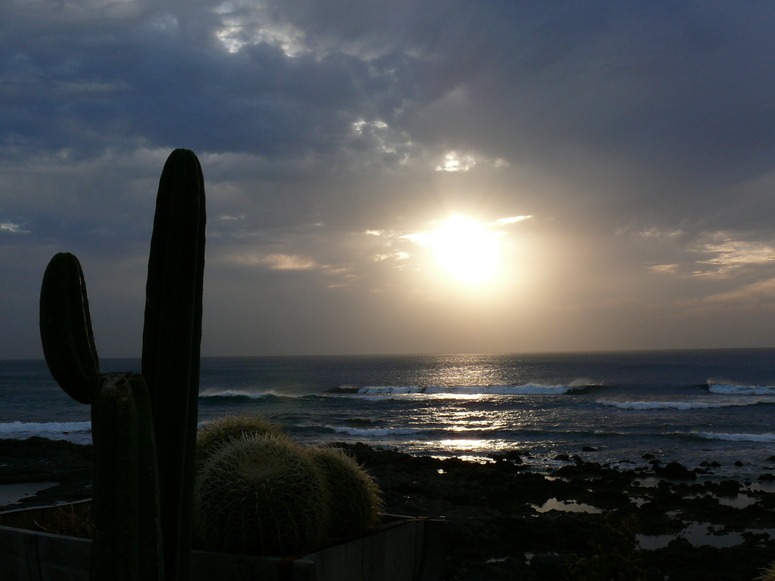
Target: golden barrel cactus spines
(261,495)
(66,330)
(213,435)
(356,499)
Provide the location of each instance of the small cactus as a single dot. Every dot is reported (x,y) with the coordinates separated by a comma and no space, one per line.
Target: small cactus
(356,502)
(228,428)
(260,495)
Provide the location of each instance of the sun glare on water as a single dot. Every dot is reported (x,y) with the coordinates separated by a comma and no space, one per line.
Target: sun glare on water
(466,250)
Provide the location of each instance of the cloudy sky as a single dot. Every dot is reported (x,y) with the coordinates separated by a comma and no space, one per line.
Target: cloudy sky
(411,176)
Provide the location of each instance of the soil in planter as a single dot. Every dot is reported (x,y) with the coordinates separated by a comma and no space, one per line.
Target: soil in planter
(65,520)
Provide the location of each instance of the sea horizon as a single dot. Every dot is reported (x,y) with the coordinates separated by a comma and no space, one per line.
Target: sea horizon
(687,405)
(439,353)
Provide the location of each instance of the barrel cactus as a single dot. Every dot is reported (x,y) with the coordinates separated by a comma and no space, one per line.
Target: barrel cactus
(768,574)
(214,435)
(356,502)
(260,495)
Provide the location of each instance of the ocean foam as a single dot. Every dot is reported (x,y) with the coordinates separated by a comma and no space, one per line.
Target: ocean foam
(389,390)
(768,437)
(473,390)
(77,432)
(678,405)
(13,429)
(375,432)
(733,389)
(226,393)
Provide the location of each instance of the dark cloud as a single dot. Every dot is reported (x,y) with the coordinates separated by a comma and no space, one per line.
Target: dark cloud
(639,135)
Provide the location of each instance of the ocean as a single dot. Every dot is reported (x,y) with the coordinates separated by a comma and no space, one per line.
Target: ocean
(690,406)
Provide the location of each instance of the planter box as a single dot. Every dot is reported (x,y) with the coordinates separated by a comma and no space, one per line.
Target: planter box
(403,549)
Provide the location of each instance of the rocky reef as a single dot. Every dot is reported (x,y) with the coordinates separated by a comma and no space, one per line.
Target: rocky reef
(644,519)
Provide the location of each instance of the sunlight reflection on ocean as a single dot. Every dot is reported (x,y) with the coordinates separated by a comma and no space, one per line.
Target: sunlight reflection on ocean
(690,406)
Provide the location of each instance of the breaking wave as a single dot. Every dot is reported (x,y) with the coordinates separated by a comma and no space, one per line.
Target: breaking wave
(214,396)
(681,405)
(375,432)
(768,437)
(530,389)
(733,389)
(79,432)
(227,393)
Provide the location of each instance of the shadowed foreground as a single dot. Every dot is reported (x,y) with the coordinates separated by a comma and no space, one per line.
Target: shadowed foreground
(583,522)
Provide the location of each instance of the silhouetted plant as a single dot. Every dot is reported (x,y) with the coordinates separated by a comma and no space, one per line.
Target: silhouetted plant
(768,574)
(143,426)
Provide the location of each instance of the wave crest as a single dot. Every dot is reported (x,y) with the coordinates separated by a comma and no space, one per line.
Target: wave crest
(734,389)
(223,395)
(529,389)
(680,405)
(78,432)
(375,432)
(736,437)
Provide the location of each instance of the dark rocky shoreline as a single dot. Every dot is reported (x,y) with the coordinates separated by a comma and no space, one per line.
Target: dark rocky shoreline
(498,522)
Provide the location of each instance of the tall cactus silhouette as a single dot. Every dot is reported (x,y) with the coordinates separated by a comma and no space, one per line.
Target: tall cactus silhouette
(171,338)
(143,426)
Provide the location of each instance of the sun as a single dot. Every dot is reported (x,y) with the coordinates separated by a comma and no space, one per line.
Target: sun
(466,250)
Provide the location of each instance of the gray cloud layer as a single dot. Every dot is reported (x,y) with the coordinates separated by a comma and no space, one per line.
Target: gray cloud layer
(638,135)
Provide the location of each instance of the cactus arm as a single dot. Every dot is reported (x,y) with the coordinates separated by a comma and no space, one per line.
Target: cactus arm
(66,330)
(171,339)
(127,542)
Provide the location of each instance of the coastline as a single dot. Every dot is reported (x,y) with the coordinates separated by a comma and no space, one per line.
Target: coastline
(506,521)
